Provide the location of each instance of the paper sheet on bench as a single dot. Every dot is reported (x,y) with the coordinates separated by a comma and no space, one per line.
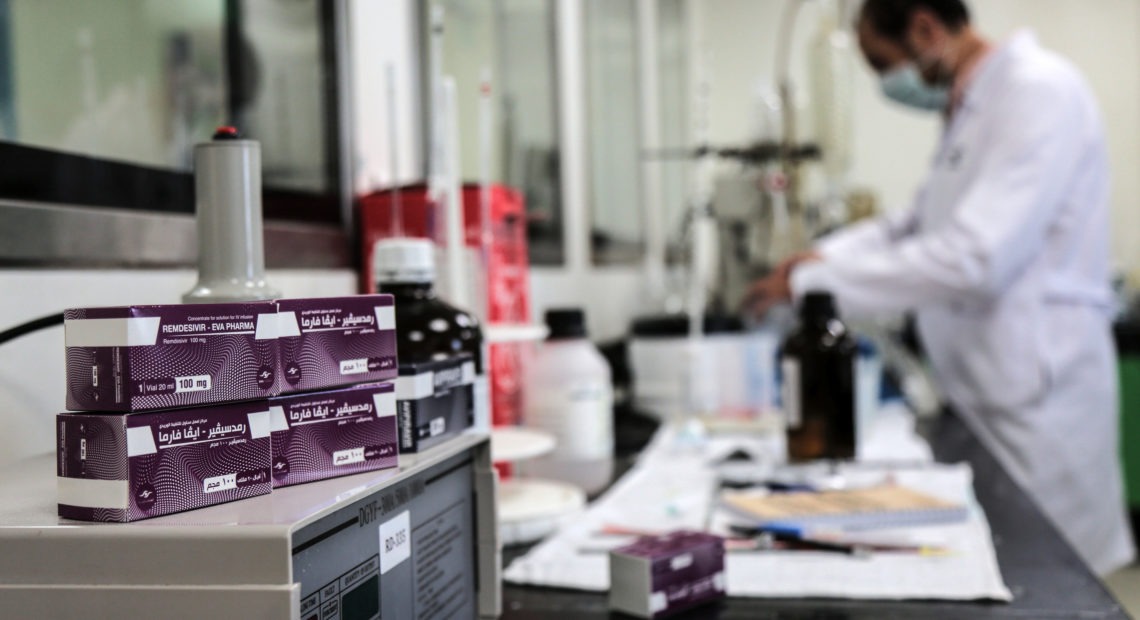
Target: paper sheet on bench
(667,491)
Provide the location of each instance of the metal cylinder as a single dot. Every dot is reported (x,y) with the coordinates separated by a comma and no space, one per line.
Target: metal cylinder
(231,246)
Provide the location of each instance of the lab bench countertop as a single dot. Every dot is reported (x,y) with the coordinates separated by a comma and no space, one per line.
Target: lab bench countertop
(1048,579)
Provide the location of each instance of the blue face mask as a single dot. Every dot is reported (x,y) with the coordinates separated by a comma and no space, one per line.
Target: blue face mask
(905,85)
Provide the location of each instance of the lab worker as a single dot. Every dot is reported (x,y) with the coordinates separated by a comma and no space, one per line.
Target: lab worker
(1003,258)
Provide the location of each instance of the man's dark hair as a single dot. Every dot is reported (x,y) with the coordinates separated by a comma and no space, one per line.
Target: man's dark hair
(890,18)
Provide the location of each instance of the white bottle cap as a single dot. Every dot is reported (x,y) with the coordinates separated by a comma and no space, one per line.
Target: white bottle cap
(403,259)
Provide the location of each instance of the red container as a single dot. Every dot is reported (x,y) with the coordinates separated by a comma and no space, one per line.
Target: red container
(507,287)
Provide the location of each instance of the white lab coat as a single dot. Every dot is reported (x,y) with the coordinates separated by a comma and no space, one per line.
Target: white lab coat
(1004,259)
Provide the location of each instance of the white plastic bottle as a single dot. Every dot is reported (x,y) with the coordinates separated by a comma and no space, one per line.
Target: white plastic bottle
(569,393)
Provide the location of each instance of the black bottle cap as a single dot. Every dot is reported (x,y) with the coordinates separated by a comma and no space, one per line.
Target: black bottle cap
(677,325)
(817,306)
(566,323)
(227,132)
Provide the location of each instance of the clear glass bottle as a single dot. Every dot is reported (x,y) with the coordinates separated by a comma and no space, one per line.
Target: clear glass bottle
(817,364)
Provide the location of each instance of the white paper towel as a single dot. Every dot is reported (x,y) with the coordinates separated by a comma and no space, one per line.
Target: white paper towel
(674,487)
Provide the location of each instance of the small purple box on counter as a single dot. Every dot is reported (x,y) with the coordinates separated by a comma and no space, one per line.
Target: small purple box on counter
(661,575)
(334,433)
(331,342)
(126,467)
(135,358)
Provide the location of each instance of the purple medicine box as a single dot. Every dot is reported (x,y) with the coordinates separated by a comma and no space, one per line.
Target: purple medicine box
(137,358)
(126,467)
(336,341)
(661,575)
(335,433)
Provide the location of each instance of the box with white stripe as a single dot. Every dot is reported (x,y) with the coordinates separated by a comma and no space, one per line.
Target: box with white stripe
(322,435)
(126,467)
(332,342)
(137,358)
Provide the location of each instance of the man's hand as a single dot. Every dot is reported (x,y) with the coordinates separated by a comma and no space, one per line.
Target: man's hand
(776,289)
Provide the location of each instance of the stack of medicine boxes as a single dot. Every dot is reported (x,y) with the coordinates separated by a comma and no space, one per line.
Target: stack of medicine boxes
(193,405)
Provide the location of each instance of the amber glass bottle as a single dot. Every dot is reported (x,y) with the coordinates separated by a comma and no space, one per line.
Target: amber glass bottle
(817,364)
(428,328)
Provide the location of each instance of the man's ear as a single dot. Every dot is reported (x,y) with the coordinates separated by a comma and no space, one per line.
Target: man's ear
(924,29)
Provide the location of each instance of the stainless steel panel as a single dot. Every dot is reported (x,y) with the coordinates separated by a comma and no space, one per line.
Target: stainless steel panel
(345,126)
(169,603)
(42,235)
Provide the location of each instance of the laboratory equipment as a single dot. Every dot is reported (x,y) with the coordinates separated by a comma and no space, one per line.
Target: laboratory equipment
(397,213)
(702,242)
(486,236)
(736,367)
(753,220)
(832,67)
(749,210)
(479,234)
(530,509)
(766,209)
(419,542)
(445,179)
(447,195)
(231,247)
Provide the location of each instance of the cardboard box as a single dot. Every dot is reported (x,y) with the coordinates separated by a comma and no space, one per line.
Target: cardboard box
(435,401)
(126,467)
(137,358)
(333,342)
(662,575)
(333,433)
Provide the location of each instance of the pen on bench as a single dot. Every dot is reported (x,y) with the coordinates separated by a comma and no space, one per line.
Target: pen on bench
(766,536)
(795,534)
(772,486)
